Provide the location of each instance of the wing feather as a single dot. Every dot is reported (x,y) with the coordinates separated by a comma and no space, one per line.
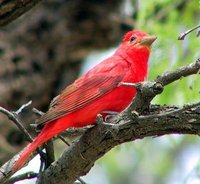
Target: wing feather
(79,95)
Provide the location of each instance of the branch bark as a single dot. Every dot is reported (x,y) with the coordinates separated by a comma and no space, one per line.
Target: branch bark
(24,176)
(81,156)
(135,122)
(11,10)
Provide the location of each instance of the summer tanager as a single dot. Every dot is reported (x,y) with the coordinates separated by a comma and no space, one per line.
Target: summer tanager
(96,91)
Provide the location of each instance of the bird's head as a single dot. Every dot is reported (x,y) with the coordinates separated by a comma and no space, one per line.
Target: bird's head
(138,39)
(136,46)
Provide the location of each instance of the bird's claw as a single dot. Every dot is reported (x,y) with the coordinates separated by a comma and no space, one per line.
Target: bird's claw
(111,127)
(110,116)
(100,121)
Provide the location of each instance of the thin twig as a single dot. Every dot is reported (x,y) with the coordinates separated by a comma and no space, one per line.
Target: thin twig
(13,117)
(81,181)
(23,106)
(130,84)
(24,176)
(36,111)
(63,139)
(182,36)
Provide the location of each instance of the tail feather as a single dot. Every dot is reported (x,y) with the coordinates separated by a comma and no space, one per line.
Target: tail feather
(47,132)
(25,154)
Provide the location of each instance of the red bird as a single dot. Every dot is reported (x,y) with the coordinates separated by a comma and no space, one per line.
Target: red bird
(96,91)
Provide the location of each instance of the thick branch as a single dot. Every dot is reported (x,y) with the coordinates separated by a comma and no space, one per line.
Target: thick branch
(146,91)
(11,10)
(80,157)
(133,123)
(184,71)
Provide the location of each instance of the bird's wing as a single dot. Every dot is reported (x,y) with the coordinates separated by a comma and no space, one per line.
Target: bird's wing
(79,95)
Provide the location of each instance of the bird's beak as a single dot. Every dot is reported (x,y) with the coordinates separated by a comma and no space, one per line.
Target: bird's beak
(147,40)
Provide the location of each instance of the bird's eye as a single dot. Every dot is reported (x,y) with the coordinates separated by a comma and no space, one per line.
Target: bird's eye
(132,39)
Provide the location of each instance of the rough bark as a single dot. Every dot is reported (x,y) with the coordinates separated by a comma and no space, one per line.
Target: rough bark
(81,156)
(137,121)
(11,10)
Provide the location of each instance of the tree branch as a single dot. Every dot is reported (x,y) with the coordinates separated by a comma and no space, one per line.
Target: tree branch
(183,35)
(13,116)
(184,71)
(80,157)
(138,120)
(130,125)
(24,176)
(11,10)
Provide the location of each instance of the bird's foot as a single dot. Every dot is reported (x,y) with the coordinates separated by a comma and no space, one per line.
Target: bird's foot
(101,121)
(111,127)
(110,116)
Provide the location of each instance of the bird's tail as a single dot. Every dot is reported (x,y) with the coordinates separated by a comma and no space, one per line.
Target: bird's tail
(47,132)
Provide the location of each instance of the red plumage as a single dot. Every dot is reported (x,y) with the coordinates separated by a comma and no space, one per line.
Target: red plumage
(96,91)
